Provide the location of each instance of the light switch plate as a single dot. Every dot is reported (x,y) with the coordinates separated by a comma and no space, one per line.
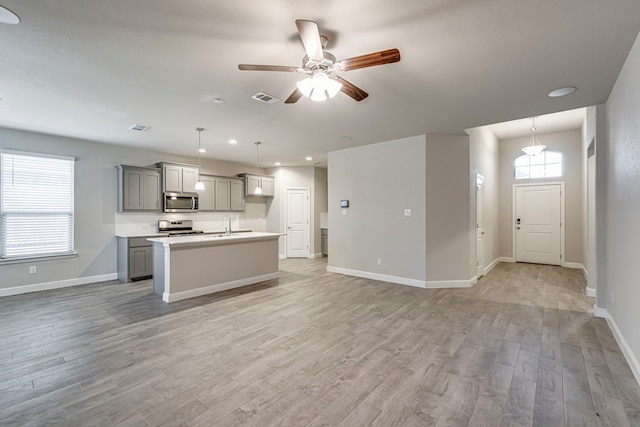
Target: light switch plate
(407,212)
(344,211)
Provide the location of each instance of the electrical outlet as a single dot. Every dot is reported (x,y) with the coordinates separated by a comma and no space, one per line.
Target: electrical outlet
(33,269)
(379,261)
(344,211)
(407,212)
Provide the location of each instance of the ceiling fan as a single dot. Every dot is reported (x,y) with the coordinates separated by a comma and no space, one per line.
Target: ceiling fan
(322,68)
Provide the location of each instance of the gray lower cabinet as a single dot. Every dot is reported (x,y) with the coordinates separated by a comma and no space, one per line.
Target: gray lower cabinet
(138,189)
(135,258)
(324,241)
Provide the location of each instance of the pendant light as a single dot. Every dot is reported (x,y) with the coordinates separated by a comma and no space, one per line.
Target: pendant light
(534,148)
(258,190)
(199,184)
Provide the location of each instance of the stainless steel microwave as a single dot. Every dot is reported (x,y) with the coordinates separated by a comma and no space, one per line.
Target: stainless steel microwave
(180,202)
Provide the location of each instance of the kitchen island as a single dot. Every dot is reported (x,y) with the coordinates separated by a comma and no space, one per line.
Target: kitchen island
(195,265)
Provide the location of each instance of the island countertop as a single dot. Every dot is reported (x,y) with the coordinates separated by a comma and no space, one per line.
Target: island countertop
(213,239)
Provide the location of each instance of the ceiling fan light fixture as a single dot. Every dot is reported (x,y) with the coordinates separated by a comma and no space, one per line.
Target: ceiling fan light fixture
(319,87)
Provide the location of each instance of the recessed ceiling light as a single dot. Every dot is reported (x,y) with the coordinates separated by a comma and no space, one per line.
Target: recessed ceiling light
(233,141)
(217,101)
(202,150)
(8,17)
(308,158)
(345,138)
(277,163)
(562,91)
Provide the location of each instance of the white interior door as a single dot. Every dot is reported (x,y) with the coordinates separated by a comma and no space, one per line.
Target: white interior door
(479,228)
(538,210)
(297,217)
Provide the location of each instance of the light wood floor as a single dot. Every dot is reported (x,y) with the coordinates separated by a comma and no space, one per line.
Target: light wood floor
(520,348)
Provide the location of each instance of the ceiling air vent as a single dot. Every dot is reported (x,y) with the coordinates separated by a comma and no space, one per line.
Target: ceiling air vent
(266,98)
(140,128)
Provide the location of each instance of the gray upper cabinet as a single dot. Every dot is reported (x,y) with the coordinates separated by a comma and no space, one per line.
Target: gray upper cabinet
(253,181)
(221,194)
(206,199)
(138,189)
(178,178)
(237,195)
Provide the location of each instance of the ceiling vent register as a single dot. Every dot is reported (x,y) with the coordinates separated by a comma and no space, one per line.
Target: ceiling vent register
(266,98)
(140,128)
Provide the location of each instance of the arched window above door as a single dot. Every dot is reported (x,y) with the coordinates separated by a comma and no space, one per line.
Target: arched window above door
(547,164)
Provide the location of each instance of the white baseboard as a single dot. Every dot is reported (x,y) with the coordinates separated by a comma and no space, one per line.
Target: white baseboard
(492,265)
(17,290)
(314,256)
(600,312)
(590,292)
(506,259)
(381,277)
(427,284)
(632,360)
(177,296)
(473,280)
(572,265)
(282,256)
(443,284)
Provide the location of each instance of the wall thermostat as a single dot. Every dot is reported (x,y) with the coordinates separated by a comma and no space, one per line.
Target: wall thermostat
(344,203)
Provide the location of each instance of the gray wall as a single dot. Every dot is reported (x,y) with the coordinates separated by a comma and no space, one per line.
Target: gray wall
(95,204)
(380,181)
(448,216)
(622,199)
(313,178)
(484,160)
(320,205)
(570,145)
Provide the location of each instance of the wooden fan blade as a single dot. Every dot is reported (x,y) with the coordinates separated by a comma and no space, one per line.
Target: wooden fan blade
(294,97)
(378,58)
(352,90)
(310,37)
(250,67)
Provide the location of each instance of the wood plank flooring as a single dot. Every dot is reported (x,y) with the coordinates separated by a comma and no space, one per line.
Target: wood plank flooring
(520,348)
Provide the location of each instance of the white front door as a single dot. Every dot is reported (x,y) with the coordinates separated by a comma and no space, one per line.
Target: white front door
(479,228)
(538,210)
(297,218)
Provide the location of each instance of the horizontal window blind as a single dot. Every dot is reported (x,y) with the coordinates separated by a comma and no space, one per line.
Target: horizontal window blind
(36,205)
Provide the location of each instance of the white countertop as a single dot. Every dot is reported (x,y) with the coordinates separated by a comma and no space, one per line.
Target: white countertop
(150,235)
(214,239)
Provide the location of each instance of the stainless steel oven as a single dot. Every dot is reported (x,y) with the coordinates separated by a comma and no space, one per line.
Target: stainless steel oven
(180,202)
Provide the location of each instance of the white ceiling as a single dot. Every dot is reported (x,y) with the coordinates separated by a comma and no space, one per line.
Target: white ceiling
(90,69)
(548,123)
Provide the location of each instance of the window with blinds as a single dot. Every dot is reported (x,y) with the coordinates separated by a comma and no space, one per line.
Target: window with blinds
(36,205)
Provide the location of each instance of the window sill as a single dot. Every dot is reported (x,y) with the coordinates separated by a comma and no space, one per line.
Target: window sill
(24,260)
